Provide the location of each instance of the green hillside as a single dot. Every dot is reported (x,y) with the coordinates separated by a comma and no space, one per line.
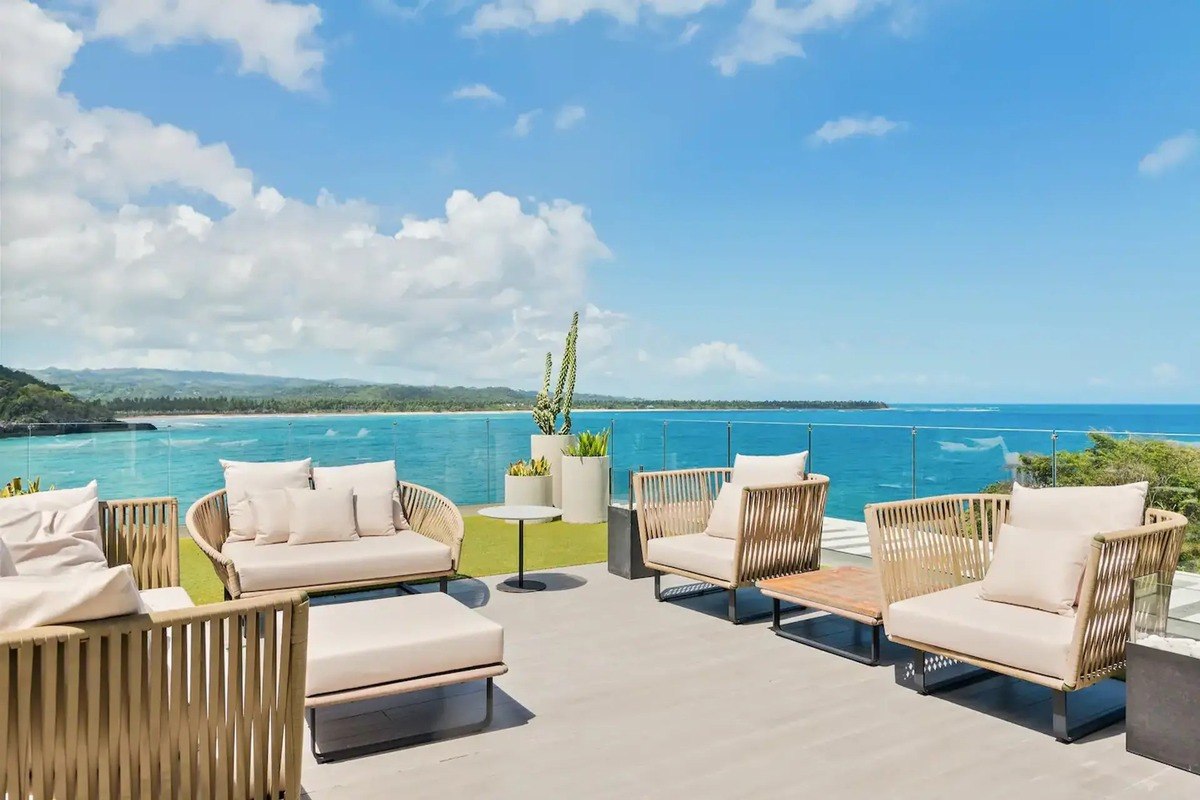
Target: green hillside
(26,399)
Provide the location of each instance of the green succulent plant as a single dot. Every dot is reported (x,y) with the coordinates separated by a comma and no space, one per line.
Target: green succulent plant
(589,445)
(534,468)
(547,407)
(15,487)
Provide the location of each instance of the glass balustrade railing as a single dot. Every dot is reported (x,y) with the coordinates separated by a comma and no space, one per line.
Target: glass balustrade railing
(464,456)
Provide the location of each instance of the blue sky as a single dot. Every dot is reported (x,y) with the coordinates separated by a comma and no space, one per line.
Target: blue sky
(1010,213)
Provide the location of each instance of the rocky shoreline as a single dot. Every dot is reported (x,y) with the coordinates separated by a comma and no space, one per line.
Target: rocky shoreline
(12,430)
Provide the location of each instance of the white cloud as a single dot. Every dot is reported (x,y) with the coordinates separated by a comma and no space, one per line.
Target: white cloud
(1165,373)
(104,250)
(689,32)
(524,124)
(569,116)
(1169,154)
(718,357)
(477,91)
(769,32)
(846,127)
(275,38)
(532,14)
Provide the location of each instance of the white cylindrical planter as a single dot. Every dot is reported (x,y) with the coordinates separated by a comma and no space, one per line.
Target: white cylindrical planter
(527,490)
(585,488)
(550,447)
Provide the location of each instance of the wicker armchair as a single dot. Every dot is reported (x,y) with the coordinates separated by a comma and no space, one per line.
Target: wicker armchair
(430,514)
(190,703)
(921,547)
(779,530)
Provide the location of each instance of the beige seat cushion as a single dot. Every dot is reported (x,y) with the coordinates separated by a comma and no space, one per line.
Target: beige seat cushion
(958,620)
(168,598)
(372,642)
(694,552)
(284,566)
(374,478)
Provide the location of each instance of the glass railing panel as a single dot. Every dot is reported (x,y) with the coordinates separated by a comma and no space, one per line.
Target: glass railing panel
(969,460)
(864,465)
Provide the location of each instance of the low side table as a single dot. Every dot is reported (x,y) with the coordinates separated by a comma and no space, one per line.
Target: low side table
(521,515)
(848,592)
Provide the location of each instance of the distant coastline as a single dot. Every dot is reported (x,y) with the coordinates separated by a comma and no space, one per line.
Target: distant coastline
(12,430)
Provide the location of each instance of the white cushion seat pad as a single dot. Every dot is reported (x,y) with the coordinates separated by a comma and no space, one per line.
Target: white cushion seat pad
(283,566)
(960,621)
(699,553)
(372,642)
(167,598)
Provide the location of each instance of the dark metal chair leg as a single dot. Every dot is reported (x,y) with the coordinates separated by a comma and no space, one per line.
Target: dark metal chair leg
(733,617)
(444,585)
(925,686)
(1065,733)
(658,587)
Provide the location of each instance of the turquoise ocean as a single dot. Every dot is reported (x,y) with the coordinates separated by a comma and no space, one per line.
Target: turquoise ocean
(870,456)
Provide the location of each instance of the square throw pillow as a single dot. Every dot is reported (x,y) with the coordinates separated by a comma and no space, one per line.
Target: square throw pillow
(321,515)
(1079,509)
(726,510)
(768,470)
(55,500)
(57,553)
(82,520)
(374,513)
(1036,569)
(373,477)
(243,477)
(272,516)
(27,601)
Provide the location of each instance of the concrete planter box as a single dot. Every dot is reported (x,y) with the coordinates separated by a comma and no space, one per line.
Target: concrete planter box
(585,488)
(551,448)
(528,490)
(625,544)
(1162,698)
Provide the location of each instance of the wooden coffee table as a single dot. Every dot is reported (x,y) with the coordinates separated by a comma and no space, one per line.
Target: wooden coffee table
(849,592)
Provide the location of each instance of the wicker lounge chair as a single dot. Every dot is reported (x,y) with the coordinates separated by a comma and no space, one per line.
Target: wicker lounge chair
(779,530)
(929,554)
(190,703)
(430,550)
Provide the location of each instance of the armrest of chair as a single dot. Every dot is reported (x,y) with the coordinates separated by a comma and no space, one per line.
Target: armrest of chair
(675,502)
(433,516)
(780,528)
(927,545)
(207,522)
(1106,601)
(144,533)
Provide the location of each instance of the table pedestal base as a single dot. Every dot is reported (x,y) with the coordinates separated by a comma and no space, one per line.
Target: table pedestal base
(519,587)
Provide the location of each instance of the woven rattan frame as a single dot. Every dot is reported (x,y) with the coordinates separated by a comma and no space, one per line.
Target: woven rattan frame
(430,514)
(924,546)
(143,533)
(779,528)
(197,703)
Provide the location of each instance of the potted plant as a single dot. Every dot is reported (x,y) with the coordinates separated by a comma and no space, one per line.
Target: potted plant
(585,467)
(554,438)
(527,483)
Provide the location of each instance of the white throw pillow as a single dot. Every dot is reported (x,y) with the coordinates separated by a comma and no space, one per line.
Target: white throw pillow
(82,520)
(54,500)
(244,477)
(272,516)
(321,515)
(768,470)
(373,477)
(1036,568)
(374,513)
(726,512)
(7,567)
(1079,509)
(57,553)
(27,601)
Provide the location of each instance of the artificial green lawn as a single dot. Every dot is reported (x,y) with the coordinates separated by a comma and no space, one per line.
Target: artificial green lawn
(489,548)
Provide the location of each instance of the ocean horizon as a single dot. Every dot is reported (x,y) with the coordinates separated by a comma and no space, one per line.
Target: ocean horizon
(868,454)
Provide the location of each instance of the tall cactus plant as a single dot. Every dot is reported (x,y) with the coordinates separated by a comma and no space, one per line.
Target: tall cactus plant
(546,408)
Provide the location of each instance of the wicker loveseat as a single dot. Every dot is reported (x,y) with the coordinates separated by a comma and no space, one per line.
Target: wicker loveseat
(931,554)
(193,702)
(779,530)
(430,550)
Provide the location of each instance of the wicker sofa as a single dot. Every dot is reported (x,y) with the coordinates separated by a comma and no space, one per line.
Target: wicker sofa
(192,702)
(930,554)
(430,550)
(779,530)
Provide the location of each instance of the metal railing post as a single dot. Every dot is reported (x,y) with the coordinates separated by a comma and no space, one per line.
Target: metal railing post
(914,463)
(28,453)
(170,448)
(808,468)
(487,456)
(1054,458)
(729,444)
(664,466)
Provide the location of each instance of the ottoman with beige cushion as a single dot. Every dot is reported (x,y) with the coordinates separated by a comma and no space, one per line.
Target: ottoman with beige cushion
(394,645)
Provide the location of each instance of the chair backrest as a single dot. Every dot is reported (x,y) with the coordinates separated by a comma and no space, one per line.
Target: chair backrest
(195,703)
(144,533)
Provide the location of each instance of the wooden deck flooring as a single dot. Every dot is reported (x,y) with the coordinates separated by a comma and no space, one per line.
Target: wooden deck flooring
(612,695)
